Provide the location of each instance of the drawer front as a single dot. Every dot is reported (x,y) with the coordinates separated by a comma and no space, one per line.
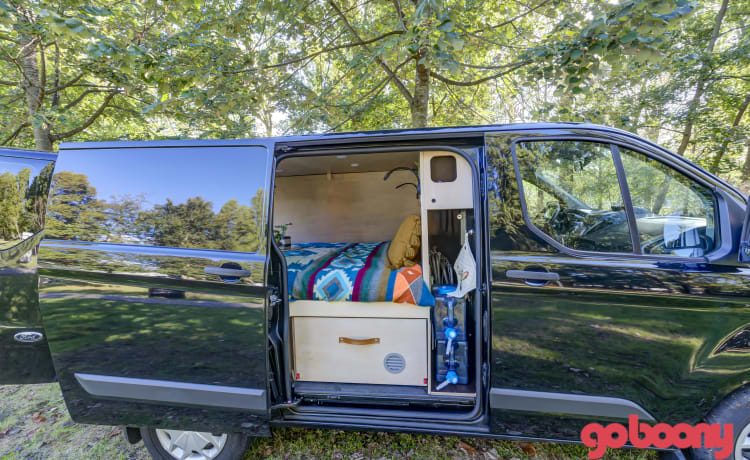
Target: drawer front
(354,350)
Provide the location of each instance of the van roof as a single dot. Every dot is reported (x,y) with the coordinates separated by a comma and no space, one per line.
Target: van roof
(443,131)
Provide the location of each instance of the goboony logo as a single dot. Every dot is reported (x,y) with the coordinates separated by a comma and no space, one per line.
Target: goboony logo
(661,436)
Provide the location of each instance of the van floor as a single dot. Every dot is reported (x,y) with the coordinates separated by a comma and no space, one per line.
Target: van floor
(400,395)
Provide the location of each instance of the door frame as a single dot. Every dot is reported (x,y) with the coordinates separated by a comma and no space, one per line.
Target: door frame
(358,416)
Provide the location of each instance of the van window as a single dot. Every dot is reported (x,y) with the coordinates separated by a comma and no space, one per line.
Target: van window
(206,198)
(23,192)
(575,195)
(674,215)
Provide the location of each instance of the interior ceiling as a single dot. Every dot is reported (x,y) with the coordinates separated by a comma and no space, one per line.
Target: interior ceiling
(335,164)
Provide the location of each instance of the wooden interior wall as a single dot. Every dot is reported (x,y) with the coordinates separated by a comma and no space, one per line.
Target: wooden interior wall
(357,207)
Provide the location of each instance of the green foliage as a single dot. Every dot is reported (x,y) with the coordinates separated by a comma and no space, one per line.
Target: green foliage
(73,210)
(22,204)
(12,194)
(279,231)
(142,70)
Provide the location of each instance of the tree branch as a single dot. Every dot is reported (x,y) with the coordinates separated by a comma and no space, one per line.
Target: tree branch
(318,53)
(381,83)
(361,109)
(7,38)
(399,84)
(56,94)
(400,12)
(87,123)
(515,18)
(78,100)
(449,81)
(15,133)
(43,76)
(68,84)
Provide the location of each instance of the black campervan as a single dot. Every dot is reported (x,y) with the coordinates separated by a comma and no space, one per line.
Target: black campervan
(512,281)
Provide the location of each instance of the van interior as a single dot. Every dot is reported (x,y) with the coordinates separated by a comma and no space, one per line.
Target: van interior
(381,278)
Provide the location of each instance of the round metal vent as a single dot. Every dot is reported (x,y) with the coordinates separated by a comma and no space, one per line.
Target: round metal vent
(394,362)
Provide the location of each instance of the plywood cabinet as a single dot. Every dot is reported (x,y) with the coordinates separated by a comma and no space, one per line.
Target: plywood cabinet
(351,342)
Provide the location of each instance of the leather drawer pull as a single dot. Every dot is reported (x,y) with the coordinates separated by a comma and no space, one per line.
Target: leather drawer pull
(352,341)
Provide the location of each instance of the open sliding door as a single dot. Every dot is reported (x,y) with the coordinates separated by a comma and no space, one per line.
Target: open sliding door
(154,291)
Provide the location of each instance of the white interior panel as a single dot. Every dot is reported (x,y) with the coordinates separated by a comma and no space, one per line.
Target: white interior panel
(356,207)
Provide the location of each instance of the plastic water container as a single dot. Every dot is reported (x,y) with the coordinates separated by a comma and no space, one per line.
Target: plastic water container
(449,319)
(449,312)
(457,361)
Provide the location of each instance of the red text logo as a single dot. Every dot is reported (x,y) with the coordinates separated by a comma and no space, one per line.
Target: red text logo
(661,436)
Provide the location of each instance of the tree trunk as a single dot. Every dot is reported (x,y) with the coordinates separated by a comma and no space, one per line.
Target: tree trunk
(421,99)
(702,79)
(661,196)
(32,88)
(746,166)
(736,123)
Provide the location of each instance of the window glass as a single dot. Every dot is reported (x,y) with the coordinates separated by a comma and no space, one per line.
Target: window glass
(674,215)
(574,194)
(199,197)
(536,198)
(23,192)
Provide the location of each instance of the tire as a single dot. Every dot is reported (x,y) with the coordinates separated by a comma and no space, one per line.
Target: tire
(206,446)
(734,409)
(676,455)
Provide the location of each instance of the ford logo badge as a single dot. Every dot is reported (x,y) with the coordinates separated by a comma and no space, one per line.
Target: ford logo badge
(28,337)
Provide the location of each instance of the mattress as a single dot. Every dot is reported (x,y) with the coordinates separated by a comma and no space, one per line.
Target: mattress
(354,272)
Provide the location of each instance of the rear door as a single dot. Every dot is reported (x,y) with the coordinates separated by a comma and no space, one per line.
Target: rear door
(154,294)
(615,283)
(24,182)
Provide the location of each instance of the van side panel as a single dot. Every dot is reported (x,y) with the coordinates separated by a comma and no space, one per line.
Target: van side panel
(142,332)
(652,337)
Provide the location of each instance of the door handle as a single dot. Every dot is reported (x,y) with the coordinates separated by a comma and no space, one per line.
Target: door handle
(530,275)
(352,341)
(227,272)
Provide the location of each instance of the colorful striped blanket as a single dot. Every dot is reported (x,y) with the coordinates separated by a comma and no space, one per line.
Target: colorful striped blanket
(355,272)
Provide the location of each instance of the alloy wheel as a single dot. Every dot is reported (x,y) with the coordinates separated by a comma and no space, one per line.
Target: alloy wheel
(742,446)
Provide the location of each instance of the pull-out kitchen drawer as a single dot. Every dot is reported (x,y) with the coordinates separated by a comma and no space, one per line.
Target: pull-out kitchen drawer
(375,350)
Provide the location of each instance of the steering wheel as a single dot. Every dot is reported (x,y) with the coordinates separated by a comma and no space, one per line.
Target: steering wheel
(551,211)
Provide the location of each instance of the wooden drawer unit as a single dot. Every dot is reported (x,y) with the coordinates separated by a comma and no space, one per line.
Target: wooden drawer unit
(375,343)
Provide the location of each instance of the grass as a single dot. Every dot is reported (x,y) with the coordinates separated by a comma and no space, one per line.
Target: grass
(34,424)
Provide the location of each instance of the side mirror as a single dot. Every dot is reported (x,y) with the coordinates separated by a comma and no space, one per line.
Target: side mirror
(744,252)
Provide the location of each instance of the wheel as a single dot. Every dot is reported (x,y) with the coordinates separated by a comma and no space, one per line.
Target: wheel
(734,409)
(194,445)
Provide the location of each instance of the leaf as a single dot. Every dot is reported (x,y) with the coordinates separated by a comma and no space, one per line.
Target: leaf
(95,10)
(629,37)
(457,43)
(446,26)
(73,23)
(576,54)
(528,448)
(466,448)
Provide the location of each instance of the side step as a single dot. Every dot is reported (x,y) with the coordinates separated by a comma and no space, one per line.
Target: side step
(392,395)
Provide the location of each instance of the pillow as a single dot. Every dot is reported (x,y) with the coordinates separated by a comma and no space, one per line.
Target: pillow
(404,249)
